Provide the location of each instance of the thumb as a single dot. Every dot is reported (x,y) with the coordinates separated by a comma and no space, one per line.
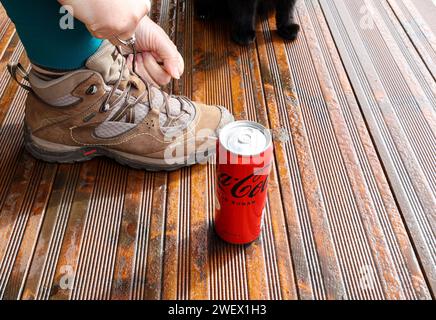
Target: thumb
(152,38)
(174,65)
(163,49)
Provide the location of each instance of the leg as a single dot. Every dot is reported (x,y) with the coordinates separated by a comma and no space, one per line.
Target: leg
(52,38)
(243,20)
(286,26)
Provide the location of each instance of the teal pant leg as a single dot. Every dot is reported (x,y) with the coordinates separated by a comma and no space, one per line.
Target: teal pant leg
(51,38)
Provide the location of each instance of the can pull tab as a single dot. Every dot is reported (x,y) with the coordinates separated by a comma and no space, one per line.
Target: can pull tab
(245,138)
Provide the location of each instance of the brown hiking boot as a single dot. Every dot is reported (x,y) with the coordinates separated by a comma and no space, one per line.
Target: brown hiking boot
(105,109)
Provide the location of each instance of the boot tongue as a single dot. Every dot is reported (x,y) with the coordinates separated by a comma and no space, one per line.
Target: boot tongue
(108,62)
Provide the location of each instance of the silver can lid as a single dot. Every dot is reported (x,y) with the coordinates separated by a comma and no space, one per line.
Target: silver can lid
(245,138)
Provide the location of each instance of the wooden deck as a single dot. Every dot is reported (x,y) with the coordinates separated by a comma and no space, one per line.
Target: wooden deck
(352,198)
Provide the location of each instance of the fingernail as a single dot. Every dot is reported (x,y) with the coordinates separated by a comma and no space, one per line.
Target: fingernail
(177,74)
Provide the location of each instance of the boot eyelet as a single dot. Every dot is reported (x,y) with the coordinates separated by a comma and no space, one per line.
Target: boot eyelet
(105,107)
(92,90)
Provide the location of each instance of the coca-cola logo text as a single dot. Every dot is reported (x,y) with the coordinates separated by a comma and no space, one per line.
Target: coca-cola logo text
(249,186)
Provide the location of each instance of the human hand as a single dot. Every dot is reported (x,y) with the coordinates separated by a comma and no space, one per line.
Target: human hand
(158,59)
(106,19)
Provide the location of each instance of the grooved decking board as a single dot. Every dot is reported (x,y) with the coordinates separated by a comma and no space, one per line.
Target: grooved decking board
(421,34)
(351,196)
(399,112)
(427,9)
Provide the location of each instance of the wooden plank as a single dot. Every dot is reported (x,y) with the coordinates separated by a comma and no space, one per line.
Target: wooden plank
(421,32)
(399,115)
(427,8)
(47,249)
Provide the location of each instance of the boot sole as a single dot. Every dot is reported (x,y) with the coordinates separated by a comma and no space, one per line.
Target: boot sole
(82,154)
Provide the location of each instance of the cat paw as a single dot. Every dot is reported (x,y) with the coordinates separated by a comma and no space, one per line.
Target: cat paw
(202,11)
(289,32)
(203,15)
(244,37)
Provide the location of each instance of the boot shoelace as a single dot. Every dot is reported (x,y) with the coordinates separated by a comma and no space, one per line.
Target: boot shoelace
(126,95)
(16,69)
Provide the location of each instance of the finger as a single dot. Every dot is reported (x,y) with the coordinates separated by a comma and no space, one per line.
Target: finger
(168,53)
(142,72)
(158,74)
(157,58)
(181,64)
(175,65)
(176,61)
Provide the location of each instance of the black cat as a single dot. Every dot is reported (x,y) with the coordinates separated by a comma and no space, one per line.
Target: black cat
(243,15)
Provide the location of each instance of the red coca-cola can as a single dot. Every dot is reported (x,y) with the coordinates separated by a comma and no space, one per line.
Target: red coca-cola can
(244,160)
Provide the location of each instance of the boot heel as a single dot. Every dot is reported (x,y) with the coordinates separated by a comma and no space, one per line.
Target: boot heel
(79,155)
